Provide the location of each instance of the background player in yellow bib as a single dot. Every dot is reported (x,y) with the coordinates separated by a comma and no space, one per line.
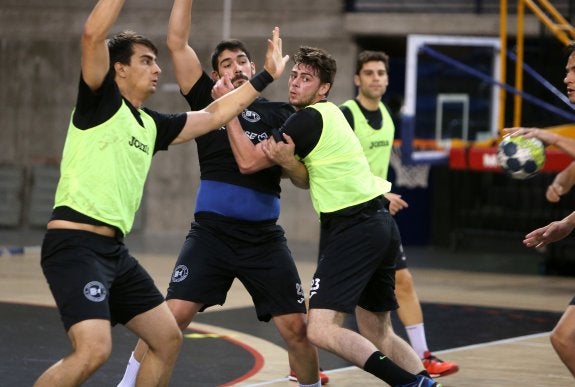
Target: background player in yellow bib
(374,127)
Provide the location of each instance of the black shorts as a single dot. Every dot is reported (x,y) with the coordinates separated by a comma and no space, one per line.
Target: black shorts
(357,258)
(217,251)
(94,277)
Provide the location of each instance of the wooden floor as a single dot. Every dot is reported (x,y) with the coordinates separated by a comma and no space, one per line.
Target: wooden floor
(521,361)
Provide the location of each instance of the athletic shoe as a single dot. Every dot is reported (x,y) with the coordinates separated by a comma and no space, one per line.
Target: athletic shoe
(436,367)
(422,381)
(323,377)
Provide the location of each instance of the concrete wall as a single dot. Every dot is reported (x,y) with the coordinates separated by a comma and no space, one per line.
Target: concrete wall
(39,47)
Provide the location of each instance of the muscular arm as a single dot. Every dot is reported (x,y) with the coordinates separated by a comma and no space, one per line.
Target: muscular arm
(222,110)
(187,66)
(95,57)
(250,157)
(282,153)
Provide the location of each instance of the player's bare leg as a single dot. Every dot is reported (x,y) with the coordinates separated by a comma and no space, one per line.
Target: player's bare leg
(303,358)
(563,338)
(91,347)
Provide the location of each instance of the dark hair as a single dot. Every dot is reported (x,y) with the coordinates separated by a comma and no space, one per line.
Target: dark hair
(121,47)
(319,60)
(229,44)
(371,56)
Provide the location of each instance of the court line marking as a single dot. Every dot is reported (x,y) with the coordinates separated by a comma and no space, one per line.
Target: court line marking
(458,349)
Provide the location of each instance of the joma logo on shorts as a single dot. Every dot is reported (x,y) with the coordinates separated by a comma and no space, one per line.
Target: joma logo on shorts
(137,144)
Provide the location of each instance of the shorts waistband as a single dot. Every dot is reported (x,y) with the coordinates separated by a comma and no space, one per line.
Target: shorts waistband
(371,206)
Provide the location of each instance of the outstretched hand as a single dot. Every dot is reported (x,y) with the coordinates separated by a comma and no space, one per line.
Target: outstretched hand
(275,61)
(553,232)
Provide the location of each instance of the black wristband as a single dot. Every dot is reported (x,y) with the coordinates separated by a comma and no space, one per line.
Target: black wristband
(261,80)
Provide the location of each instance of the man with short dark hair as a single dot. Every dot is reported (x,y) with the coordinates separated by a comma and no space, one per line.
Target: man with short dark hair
(235,232)
(108,151)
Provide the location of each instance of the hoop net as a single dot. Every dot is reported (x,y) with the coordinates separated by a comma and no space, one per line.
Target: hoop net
(409,176)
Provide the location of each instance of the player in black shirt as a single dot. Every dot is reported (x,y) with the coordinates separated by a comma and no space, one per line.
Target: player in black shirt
(234,234)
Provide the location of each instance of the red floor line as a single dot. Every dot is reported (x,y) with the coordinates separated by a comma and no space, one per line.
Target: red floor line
(258,359)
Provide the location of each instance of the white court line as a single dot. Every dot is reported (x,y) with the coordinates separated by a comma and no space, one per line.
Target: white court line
(474,346)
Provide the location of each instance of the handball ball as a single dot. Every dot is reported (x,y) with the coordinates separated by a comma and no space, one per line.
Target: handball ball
(521,157)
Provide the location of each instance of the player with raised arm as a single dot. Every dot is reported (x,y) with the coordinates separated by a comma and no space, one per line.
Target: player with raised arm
(110,142)
(234,233)
(356,265)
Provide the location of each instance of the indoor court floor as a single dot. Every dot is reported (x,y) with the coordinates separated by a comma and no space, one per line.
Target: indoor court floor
(489,313)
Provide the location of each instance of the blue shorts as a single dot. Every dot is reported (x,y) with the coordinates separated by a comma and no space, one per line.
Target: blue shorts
(217,250)
(94,277)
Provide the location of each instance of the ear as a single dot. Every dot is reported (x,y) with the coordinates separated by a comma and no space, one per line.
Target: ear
(214,75)
(120,69)
(356,80)
(253,67)
(324,89)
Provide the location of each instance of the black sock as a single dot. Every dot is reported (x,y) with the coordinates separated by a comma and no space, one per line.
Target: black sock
(382,367)
(425,373)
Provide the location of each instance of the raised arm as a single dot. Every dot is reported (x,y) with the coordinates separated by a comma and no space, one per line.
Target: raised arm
(95,57)
(187,65)
(222,110)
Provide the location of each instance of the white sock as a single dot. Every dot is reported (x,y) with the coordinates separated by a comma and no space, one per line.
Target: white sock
(129,379)
(316,384)
(416,334)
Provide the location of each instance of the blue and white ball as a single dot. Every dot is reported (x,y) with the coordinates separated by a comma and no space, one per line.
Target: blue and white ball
(522,158)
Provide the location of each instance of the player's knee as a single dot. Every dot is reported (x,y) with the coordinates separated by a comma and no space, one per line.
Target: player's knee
(558,340)
(173,339)
(94,355)
(316,334)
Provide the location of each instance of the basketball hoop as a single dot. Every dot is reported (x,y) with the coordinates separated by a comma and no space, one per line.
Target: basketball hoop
(409,176)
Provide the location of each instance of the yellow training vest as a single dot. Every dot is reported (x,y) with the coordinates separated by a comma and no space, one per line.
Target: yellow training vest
(104,168)
(338,170)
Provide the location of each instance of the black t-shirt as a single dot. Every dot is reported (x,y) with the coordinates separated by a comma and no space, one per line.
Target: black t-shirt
(215,154)
(305,128)
(374,117)
(96,107)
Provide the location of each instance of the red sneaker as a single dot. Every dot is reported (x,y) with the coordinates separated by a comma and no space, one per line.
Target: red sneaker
(437,367)
(323,377)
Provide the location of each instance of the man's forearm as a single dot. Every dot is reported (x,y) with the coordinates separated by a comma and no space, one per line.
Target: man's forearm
(297,173)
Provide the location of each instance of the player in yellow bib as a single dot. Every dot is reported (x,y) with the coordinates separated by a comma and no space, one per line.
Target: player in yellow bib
(111,139)
(374,127)
(356,265)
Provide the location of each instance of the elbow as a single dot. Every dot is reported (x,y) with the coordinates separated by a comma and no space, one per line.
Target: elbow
(91,35)
(247,168)
(173,44)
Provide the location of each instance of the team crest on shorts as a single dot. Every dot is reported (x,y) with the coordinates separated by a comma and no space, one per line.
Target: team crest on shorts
(95,291)
(180,273)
